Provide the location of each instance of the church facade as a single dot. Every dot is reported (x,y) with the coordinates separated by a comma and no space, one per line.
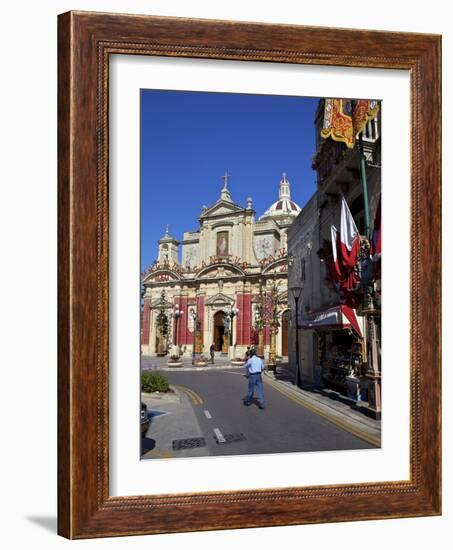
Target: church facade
(214,295)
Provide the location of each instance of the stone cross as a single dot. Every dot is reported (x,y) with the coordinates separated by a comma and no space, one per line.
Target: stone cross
(225,179)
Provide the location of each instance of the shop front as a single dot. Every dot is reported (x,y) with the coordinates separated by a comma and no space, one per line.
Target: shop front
(339,336)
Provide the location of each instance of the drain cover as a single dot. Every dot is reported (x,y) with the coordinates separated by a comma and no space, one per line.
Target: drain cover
(233,438)
(189,443)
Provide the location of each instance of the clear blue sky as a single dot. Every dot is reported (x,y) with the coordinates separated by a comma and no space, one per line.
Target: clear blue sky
(189,139)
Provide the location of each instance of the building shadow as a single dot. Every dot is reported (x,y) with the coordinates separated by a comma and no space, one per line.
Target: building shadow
(285,373)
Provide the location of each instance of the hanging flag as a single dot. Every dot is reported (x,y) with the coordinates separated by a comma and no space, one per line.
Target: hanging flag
(345,251)
(336,274)
(345,118)
(349,238)
(346,284)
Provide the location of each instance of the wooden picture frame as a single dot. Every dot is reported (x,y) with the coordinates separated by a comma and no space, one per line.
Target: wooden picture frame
(85,41)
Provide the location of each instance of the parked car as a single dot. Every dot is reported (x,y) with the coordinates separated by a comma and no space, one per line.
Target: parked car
(144,419)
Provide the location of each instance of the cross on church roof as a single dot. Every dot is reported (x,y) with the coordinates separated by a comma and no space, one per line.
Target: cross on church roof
(225,179)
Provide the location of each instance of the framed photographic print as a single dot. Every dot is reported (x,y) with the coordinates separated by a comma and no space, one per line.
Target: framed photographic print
(230,329)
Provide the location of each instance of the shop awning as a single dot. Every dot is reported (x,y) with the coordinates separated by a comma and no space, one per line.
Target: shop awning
(335,317)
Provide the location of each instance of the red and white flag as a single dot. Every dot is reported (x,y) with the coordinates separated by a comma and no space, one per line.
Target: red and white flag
(345,250)
(335,272)
(349,245)
(335,264)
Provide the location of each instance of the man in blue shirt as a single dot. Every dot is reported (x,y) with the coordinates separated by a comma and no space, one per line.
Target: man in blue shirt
(254,368)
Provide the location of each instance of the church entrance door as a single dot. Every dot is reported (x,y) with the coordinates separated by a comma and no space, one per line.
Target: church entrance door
(219,330)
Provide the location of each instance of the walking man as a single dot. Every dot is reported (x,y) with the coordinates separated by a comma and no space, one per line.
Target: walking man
(254,368)
(211,351)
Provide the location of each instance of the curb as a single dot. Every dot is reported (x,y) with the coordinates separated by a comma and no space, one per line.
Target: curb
(347,421)
(164,397)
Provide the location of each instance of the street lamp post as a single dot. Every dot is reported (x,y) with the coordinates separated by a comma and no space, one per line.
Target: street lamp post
(195,320)
(296,291)
(177,314)
(370,313)
(232,314)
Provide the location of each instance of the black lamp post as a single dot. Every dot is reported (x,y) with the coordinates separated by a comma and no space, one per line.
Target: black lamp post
(232,314)
(296,291)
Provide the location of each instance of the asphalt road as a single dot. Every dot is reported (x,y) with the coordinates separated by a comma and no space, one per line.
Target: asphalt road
(283,426)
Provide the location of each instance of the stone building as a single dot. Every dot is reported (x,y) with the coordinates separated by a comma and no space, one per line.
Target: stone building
(212,295)
(329,334)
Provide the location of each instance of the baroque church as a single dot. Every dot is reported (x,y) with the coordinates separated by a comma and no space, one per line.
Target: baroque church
(215,294)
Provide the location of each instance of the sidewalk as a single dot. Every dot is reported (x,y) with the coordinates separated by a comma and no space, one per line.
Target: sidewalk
(172,419)
(160,363)
(335,407)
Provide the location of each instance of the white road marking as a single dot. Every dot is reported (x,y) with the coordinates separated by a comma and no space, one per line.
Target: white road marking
(219,436)
(207,414)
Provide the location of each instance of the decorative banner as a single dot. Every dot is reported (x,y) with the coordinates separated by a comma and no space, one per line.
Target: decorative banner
(337,123)
(190,324)
(345,118)
(364,110)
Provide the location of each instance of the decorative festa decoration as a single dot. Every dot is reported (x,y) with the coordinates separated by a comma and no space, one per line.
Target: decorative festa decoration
(344,119)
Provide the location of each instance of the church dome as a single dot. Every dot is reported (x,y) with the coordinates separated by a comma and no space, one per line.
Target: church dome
(284,207)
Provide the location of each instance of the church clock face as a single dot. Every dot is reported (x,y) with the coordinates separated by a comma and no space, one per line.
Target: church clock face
(263,248)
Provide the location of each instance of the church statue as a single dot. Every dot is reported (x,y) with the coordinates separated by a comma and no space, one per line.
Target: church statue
(226,323)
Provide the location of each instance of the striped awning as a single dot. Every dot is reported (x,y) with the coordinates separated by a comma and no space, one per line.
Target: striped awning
(334,317)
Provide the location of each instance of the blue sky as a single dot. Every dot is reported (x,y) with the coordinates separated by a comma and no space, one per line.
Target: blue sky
(189,139)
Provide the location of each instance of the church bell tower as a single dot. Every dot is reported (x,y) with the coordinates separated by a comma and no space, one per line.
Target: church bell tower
(168,248)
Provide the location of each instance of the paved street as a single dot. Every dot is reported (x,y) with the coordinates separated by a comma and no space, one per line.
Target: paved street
(207,407)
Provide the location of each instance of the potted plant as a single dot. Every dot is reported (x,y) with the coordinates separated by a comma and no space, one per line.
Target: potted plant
(353,385)
(153,382)
(174,360)
(201,361)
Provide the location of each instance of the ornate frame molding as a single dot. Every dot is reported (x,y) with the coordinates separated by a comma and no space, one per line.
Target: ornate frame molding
(86,40)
